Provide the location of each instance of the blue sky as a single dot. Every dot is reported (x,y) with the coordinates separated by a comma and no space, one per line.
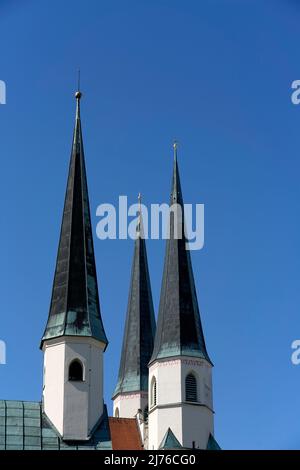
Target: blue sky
(214,74)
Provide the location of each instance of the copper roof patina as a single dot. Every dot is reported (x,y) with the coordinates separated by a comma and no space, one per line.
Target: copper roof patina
(24,426)
(179,330)
(140,323)
(75,306)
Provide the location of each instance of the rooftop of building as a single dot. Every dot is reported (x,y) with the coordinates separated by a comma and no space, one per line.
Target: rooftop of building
(24,426)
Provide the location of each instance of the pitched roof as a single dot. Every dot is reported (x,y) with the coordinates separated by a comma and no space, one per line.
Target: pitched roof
(24,426)
(179,330)
(139,330)
(75,307)
(170,441)
(125,434)
(212,443)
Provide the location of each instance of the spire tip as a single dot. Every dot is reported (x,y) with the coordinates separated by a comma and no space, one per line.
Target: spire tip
(175,145)
(78,93)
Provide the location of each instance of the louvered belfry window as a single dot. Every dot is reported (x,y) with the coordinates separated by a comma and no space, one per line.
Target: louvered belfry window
(190,388)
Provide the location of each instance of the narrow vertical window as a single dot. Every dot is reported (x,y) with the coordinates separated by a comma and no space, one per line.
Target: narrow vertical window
(190,388)
(76,371)
(153,392)
(117,413)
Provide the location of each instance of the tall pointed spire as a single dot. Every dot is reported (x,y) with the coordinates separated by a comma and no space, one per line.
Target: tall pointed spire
(179,330)
(140,321)
(75,307)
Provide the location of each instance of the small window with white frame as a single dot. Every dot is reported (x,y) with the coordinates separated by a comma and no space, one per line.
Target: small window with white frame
(153,392)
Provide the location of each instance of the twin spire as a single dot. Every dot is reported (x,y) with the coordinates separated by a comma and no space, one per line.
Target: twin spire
(75,306)
(179,330)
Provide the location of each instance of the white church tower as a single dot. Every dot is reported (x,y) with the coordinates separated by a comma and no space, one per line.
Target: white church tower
(74,339)
(130,397)
(180,371)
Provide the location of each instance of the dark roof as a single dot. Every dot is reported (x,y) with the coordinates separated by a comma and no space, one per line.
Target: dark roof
(170,441)
(75,307)
(179,330)
(139,330)
(125,434)
(212,443)
(23,426)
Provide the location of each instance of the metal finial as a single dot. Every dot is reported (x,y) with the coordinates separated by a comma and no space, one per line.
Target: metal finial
(139,227)
(78,93)
(175,145)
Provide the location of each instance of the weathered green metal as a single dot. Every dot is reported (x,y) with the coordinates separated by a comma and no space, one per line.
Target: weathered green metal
(140,323)
(179,330)
(170,441)
(75,306)
(212,443)
(23,426)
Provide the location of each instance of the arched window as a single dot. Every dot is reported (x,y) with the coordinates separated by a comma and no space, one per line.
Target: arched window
(117,413)
(153,392)
(76,371)
(190,388)
(145,414)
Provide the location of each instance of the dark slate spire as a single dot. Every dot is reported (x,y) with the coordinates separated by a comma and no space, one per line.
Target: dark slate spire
(140,322)
(179,331)
(75,308)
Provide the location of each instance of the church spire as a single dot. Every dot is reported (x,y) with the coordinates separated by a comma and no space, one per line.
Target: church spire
(140,322)
(75,307)
(179,330)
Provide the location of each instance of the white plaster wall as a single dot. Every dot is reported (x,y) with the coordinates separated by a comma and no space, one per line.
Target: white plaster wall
(189,422)
(168,377)
(160,419)
(129,403)
(73,407)
(197,424)
(53,390)
(96,400)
